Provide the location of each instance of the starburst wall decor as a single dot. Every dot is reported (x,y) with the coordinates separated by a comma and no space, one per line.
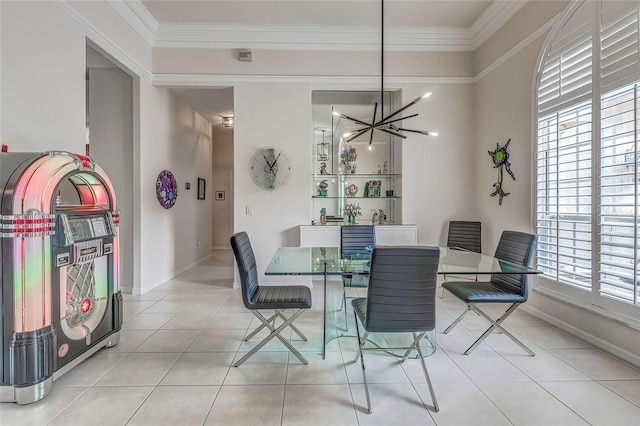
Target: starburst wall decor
(500,158)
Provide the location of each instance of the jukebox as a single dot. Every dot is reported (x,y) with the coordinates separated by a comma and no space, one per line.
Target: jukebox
(60,300)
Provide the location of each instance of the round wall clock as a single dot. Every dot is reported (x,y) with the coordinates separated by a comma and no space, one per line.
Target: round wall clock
(270,168)
(166,189)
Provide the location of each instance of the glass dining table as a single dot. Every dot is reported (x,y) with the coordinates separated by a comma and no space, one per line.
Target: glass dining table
(326,262)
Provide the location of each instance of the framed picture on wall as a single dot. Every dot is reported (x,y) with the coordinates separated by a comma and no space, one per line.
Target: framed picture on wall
(201,188)
(219,195)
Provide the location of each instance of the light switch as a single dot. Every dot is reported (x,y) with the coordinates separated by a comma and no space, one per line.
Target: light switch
(249,210)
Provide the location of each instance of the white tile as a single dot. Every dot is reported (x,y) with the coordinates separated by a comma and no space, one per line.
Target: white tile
(168,341)
(176,405)
(230,406)
(147,321)
(188,321)
(628,389)
(140,369)
(595,403)
(41,412)
(318,371)
(529,404)
(462,404)
(485,365)
(130,339)
(387,401)
(92,369)
(263,368)
(231,320)
(217,341)
(166,307)
(320,405)
(104,406)
(551,338)
(597,365)
(203,368)
(544,367)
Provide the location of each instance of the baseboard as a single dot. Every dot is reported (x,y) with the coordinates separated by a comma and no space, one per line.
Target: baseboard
(581,334)
(175,274)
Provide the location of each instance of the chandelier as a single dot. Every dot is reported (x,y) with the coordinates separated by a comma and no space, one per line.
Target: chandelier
(391,123)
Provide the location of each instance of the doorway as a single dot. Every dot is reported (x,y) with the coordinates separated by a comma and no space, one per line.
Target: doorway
(109,142)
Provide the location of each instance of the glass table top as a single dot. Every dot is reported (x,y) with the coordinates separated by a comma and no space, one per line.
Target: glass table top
(327,260)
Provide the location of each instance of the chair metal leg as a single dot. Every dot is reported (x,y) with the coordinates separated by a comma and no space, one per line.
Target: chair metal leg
(416,343)
(496,325)
(453,324)
(360,344)
(344,303)
(364,373)
(426,376)
(293,327)
(257,330)
(275,332)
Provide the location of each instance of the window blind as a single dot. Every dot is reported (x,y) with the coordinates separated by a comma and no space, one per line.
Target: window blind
(620,43)
(567,72)
(619,198)
(587,196)
(564,198)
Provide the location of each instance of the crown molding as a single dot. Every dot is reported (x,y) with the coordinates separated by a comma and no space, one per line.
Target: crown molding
(105,42)
(496,15)
(517,48)
(226,36)
(372,82)
(138,17)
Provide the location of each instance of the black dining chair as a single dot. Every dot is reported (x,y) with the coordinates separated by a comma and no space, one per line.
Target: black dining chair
(464,235)
(355,241)
(514,247)
(276,298)
(400,299)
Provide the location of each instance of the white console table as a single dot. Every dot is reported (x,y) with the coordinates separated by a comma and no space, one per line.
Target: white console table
(386,235)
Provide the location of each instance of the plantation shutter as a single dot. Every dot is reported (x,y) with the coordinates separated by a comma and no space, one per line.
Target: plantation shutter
(564,196)
(567,71)
(620,43)
(619,198)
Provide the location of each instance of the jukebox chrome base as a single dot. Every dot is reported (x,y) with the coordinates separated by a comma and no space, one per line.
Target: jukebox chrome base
(33,393)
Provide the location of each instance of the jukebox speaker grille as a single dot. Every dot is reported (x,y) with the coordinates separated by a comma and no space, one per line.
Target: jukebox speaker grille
(80,293)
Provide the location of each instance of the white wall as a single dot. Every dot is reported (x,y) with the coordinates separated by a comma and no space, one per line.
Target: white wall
(222,180)
(43,102)
(182,145)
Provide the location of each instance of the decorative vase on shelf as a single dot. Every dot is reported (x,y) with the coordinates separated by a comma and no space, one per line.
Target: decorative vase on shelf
(351,167)
(352,219)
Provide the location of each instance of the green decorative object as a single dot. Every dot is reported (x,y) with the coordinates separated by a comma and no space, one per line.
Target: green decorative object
(500,158)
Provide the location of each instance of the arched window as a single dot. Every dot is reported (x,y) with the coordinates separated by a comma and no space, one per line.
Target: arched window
(587,151)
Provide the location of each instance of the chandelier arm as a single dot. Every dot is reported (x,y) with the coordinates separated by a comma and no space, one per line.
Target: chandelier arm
(409,105)
(386,121)
(359,133)
(355,120)
(422,132)
(390,132)
(373,120)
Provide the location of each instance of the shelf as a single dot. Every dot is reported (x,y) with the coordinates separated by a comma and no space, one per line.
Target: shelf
(356,175)
(355,198)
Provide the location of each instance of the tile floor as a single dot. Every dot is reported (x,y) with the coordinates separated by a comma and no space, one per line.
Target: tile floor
(172,367)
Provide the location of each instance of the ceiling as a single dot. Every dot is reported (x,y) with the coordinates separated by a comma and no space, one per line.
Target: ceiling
(213,103)
(398,13)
